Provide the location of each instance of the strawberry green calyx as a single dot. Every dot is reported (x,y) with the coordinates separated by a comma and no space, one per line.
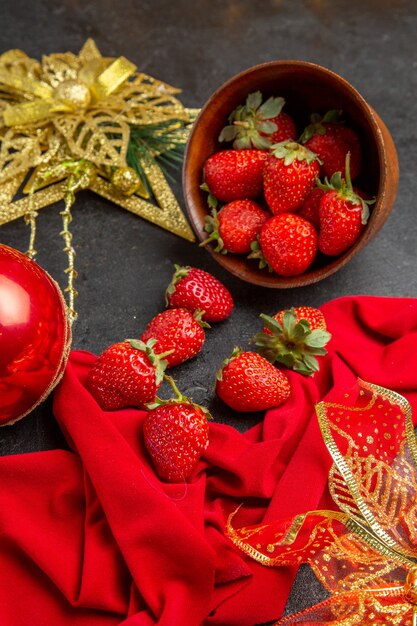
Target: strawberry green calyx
(293,343)
(198,316)
(345,190)
(157,360)
(211,199)
(259,255)
(291,151)
(249,120)
(212,227)
(178,399)
(180,272)
(316,126)
(236,352)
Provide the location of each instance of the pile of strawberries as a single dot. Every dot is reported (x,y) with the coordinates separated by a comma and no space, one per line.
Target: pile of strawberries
(176,432)
(274,205)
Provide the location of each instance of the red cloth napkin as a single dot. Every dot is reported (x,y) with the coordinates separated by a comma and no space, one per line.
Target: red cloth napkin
(92,537)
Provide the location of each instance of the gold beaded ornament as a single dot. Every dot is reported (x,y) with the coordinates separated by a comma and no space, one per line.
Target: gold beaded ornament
(72,122)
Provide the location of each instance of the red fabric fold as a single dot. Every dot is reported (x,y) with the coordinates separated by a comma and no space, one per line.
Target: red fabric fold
(91,536)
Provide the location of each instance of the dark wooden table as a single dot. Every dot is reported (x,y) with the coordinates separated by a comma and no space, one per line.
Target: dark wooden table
(125,263)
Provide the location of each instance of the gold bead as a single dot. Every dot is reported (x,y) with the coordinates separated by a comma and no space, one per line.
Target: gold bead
(126,180)
(73,93)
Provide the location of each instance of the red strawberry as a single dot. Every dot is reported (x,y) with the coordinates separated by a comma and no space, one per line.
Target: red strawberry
(331,140)
(176,331)
(176,433)
(290,173)
(343,215)
(235,226)
(257,125)
(193,289)
(294,337)
(308,313)
(287,244)
(248,382)
(234,174)
(310,207)
(128,373)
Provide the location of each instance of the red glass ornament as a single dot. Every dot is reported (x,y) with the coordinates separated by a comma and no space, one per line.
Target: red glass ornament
(34,335)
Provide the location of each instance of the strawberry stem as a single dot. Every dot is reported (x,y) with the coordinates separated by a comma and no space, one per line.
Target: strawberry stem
(347,173)
(179,396)
(162,355)
(245,125)
(179,399)
(198,316)
(214,236)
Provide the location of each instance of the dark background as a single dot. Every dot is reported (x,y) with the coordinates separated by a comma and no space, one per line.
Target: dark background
(125,263)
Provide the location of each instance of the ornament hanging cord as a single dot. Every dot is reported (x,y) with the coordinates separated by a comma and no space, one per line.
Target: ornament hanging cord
(79,175)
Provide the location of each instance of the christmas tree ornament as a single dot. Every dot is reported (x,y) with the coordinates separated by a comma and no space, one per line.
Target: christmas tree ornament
(72,122)
(34,335)
(364,553)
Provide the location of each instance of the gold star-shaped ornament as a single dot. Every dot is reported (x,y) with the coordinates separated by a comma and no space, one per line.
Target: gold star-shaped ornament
(72,109)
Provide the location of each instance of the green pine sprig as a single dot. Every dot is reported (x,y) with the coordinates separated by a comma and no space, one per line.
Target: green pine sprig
(162,142)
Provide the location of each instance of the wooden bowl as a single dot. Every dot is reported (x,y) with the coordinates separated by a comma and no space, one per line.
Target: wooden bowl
(307,88)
